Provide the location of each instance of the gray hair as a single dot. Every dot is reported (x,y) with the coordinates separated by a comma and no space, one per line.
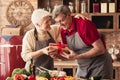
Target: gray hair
(60,9)
(38,15)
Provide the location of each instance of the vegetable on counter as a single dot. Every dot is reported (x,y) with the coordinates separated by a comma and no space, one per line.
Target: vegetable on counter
(9,78)
(31,77)
(45,74)
(63,78)
(18,77)
(95,78)
(19,74)
(20,71)
(41,78)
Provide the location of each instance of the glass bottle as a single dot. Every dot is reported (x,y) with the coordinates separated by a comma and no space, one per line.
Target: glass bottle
(111,6)
(96,6)
(32,67)
(71,7)
(48,6)
(103,5)
(118,5)
(77,6)
(83,6)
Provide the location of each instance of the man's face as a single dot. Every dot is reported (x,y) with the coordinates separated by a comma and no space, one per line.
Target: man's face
(63,21)
(45,24)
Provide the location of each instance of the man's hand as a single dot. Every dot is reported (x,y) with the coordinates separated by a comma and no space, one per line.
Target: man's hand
(81,16)
(71,55)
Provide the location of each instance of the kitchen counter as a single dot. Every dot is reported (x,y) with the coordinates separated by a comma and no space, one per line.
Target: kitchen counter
(60,65)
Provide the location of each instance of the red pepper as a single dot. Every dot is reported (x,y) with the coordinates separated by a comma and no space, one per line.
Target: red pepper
(60,78)
(18,77)
(53,78)
(32,77)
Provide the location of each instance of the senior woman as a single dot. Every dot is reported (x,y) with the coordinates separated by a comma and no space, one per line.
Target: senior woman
(35,42)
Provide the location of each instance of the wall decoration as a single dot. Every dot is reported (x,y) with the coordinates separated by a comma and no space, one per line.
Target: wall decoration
(19,12)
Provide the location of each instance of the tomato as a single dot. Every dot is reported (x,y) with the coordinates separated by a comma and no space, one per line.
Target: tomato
(53,78)
(61,78)
(31,77)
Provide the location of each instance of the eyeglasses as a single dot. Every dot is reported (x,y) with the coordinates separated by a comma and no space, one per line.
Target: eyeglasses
(62,20)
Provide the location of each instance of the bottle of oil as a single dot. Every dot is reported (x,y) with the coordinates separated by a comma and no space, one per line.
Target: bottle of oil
(32,68)
(77,6)
(83,6)
(103,5)
(48,6)
(111,6)
(71,7)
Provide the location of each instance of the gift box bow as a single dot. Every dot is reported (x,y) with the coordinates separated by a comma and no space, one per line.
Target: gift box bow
(59,45)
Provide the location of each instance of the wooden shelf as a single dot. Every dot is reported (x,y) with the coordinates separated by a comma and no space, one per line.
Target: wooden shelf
(114,17)
(118,21)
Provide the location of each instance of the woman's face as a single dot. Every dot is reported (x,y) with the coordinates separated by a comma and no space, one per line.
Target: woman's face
(45,24)
(64,21)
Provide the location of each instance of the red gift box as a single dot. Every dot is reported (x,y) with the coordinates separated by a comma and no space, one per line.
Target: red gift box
(59,46)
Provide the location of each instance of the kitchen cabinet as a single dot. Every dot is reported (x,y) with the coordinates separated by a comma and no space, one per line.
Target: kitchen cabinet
(106,20)
(10,58)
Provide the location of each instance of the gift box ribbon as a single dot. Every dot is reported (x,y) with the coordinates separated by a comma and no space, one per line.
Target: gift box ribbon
(59,45)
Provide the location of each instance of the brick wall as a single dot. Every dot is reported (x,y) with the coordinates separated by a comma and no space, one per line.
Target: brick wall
(3,7)
(112,39)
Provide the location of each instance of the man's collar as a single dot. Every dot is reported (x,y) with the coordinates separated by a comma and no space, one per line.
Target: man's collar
(72,29)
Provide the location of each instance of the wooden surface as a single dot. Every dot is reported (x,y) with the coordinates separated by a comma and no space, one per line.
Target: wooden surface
(11,31)
(60,65)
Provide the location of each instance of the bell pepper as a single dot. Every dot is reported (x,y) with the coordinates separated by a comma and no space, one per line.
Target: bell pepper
(52,78)
(31,77)
(18,77)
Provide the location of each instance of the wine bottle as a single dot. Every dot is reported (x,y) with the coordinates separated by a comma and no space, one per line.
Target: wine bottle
(96,6)
(111,6)
(103,6)
(118,6)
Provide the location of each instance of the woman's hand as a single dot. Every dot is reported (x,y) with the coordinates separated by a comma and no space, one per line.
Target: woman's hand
(53,54)
(45,50)
(48,50)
